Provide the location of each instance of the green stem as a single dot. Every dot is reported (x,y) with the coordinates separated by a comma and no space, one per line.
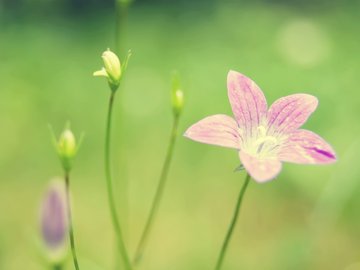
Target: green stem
(112,205)
(158,195)
(232,224)
(71,229)
(121,14)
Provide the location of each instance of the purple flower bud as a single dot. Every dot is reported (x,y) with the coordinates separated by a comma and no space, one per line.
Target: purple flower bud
(53,217)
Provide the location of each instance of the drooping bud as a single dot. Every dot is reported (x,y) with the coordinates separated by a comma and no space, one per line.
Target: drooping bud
(53,221)
(111,70)
(177,96)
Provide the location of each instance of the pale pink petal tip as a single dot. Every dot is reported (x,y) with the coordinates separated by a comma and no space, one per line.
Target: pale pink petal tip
(261,170)
(218,130)
(306,147)
(291,112)
(247,101)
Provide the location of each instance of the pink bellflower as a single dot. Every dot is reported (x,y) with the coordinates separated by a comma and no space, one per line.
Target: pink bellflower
(264,137)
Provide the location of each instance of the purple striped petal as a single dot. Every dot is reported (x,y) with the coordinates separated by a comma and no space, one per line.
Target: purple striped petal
(217,129)
(306,147)
(247,101)
(261,170)
(290,112)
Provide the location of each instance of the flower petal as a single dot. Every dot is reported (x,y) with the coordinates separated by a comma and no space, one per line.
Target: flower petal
(261,170)
(217,129)
(247,101)
(306,147)
(291,112)
(101,72)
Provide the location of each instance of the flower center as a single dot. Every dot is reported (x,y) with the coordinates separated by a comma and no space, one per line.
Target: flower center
(265,143)
(260,144)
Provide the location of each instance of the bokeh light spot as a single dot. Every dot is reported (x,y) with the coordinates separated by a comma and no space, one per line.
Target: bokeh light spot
(303,43)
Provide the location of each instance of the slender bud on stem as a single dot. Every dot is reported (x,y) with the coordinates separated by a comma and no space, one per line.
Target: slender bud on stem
(177,96)
(110,65)
(67,149)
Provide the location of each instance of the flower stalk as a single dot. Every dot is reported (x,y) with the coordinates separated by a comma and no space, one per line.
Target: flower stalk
(121,18)
(111,199)
(114,73)
(71,228)
(158,195)
(177,101)
(232,224)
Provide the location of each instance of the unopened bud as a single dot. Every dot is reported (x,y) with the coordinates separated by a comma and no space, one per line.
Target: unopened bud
(67,144)
(111,69)
(53,221)
(177,96)
(178,101)
(66,147)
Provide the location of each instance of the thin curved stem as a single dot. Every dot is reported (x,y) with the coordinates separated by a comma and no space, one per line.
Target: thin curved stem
(158,195)
(119,44)
(232,224)
(111,199)
(71,229)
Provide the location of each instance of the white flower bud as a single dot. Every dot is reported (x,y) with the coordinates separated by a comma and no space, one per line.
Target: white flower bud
(111,69)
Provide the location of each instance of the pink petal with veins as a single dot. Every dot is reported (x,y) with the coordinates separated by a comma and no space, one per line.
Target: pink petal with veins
(247,101)
(306,147)
(290,112)
(217,129)
(261,170)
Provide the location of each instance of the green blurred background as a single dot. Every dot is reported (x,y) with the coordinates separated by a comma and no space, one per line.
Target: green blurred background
(308,218)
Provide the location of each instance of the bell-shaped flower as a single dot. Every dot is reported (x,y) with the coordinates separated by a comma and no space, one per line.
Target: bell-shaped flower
(264,137)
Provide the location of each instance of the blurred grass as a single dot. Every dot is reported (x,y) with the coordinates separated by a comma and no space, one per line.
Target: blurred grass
(46,66)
